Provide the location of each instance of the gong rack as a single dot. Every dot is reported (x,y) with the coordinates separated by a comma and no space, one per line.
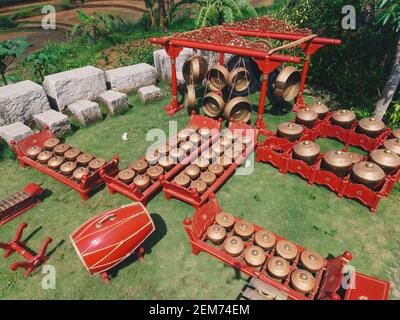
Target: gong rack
(31,261)
(85,187)
(328,281)
(279,152)
(20,202)
(132,192)
(191,196)
(230,38)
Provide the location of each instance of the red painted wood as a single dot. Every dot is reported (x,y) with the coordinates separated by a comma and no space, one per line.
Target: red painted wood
(279,153)
(171,189)
(88,183)
(31,261)
(328,280)
(130,191)
(35,192)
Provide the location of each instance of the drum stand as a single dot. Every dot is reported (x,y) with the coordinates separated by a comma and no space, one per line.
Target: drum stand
(31,262)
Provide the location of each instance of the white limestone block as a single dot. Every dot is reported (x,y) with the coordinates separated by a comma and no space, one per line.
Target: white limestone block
(15,132)
(162,62)
(116,102)
(86,111)
(131,78)
(20,101)
(67,87)
(57,122)
(150,93)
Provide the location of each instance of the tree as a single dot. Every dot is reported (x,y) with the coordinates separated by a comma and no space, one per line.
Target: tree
(150,5)
(9,51)
(41,64)
(390,15)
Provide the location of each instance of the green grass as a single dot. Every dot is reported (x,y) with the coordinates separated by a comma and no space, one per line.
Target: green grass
(309,215)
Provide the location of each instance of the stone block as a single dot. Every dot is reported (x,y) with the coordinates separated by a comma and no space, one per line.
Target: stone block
(20,101)
(86,111)
(131,78)
(150,93)
(67,87)
(57,122)
(115,102)
(15,132)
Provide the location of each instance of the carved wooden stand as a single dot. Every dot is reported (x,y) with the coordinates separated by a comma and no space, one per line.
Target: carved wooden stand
(31,261)
(328,280)
(85,187)
(279,153)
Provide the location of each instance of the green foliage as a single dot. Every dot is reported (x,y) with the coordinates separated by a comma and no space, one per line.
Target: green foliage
(357,69)
(389,13)
(362,113)
(6,22)
(9,51)
(41,64)
(93,27)
(394,114)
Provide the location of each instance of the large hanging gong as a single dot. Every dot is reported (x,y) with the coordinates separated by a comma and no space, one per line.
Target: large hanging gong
(239,109)
(190,99)
(195,67)
(213,104)
(287,84)
(239,80)
(217,78)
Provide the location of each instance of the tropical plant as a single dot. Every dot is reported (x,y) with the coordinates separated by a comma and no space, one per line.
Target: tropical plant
(394,115)
(94,26)
(9,51)
(150,5)
(389,14)
(41,63)
(357,69)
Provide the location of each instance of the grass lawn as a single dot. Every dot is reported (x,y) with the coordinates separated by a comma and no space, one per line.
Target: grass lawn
(309,215)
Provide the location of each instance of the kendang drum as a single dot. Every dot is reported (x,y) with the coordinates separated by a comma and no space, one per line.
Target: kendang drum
(110,237)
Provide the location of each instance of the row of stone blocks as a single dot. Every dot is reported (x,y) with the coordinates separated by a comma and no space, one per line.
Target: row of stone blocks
(22,100)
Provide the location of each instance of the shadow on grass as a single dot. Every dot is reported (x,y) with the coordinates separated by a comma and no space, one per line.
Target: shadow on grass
(148,244)
(33,251)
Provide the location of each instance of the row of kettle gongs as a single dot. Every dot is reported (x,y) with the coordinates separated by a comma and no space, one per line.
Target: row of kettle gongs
(239,239)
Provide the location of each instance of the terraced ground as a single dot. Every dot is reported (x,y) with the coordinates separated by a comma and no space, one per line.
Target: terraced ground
(309,215)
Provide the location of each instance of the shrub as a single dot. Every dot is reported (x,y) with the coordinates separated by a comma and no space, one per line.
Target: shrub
(7,23)
(357,69)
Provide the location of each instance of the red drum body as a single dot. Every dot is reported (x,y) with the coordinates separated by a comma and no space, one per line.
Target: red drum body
(110,237)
